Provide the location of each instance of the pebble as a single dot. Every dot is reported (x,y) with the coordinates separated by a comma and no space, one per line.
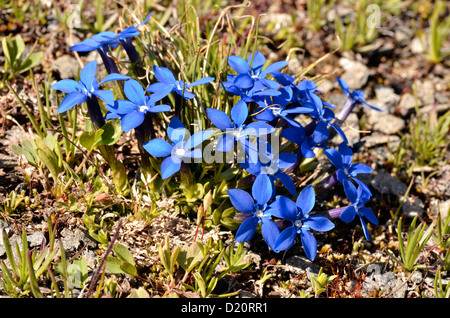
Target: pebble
(355,74)
(387,97)
(66,66)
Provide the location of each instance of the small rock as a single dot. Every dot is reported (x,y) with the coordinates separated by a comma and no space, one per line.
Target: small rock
(425,91)
(35,239)
(386,123)
(299,264)
(384,183)
(377,139)
(417,46)
(355,74)
(408,103)
(386,95)
(351,130)
(66,66)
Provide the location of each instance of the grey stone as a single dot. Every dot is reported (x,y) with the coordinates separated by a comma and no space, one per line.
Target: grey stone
(377,139)
(386,123)
(384,183)
(408,103)
(66,66)
(425,91)
(387,96)
(355,74)
(299,264)
(417,46)
(35,239)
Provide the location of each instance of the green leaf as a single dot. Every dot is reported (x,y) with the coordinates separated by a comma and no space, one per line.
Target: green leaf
(128,268)
(112,264)
(111,133)
(123,253)
(90,139)
(30,62)
(189,257)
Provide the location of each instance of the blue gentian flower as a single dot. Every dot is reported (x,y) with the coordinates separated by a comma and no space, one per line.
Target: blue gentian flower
(179,150)
(87,89)
(166,79)
(321,113)
(272,165)
(301,222)
(256,208)
(132,111)
(277,108)
(235,128)
(342,160)
(250,82)
(356,97)
(358,197)
(307,144)
(104,40)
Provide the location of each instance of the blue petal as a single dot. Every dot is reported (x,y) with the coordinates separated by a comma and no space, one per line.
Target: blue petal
(159,109)
(348,214)
(319,223)
(344,86)
(159,86)
(273,67)
(258,129)
(334,156)
(67,86)
(359,168)
(307,151)
(350,190)
(239,113)
(87,74)
(164,75)
(309,244)
(225,143)
(294,134)
(247,229)
(131,120)
(285,208)
(238,64)
(121,107)
(169,167)
(340,132)
(286,239)
(282,78)
(270,232)
(85,46)
(368,213)
(135,92)
(258,61)
(219,118)
(306,200)
(286,160)
(346,153)
(202,81)
(71,100)
(244,81)
(114,77)
(176,130)
(161,93)
(105,95)
(241,200)
(262,189)
(158,147)
(287,182)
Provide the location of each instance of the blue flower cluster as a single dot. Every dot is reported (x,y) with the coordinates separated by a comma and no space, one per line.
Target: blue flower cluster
(268,101)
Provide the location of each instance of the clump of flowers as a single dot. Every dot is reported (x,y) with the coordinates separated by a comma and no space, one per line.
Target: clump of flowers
(270,108)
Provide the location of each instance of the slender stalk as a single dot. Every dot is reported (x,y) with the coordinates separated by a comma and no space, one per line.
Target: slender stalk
(102,263)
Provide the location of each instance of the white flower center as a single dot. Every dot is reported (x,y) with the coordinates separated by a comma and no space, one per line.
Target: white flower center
(259,213)
(180,152)
(298,223)
(143,108)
